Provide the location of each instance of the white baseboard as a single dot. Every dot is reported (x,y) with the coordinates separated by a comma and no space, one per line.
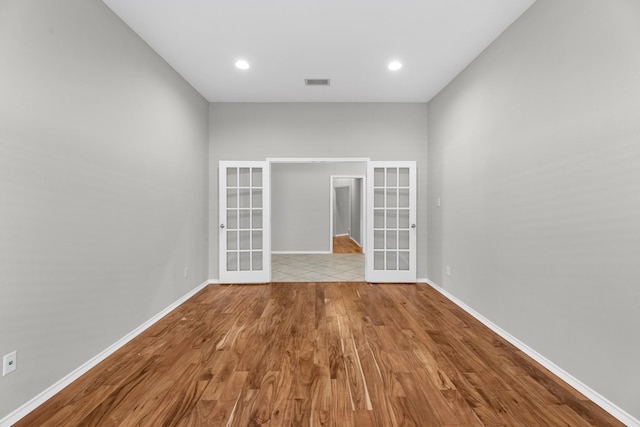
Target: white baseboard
(594,396)
(32,404)
(300,252)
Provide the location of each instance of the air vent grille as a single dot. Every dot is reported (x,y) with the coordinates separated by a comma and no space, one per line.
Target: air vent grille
(317,82)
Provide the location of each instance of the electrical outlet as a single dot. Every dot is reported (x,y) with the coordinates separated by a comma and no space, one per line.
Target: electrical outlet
(186,272)
(9,363)
(448,270)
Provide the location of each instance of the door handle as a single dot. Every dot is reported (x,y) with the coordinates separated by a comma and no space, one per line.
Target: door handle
(413,226)
(221,225)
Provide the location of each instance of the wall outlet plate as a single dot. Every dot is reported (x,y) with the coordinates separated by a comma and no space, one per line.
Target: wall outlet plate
(9,363)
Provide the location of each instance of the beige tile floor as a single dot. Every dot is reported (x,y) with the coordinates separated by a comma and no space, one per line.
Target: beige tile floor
(317,268)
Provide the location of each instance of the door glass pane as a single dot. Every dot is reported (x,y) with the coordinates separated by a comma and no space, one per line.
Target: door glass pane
(232,261)
(244,177)
(392,177)
(245,261)
(378,198)
(378,218)
(403,197)
(392,198)
(378,177)
(257,199)
(403,260)
(232,219)
(392,218)
(244,219)
(378,239)
(378,260)
(232,177)
(403,177)
(232,198)
(256,177)
(256,220)
(392,239)
(391,260)
(403,218)
(256,241)
(403,239)
(244,199)
(256,260)
(232,240)
(245,240)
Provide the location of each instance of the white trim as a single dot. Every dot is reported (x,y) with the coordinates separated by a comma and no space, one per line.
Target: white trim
(593,395)
(300,252)
(342,235)
(354,241)
(317,159)
(45,395)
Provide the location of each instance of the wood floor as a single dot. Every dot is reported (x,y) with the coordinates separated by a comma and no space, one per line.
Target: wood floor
(318,354)
(344,245)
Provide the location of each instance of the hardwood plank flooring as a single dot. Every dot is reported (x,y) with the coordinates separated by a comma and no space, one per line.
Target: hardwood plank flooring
(318,354)
(344,245)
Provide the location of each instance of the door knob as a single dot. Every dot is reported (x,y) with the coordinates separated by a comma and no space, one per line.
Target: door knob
(413,226)
(221,225)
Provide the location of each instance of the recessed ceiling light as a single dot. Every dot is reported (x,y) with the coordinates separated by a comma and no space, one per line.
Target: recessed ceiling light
(242,64)
(394,65)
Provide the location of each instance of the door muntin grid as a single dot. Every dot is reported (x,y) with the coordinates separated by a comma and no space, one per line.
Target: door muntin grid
(391,219)
(244,225)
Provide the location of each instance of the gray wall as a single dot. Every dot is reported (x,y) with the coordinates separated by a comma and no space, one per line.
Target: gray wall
(103,158)
(301,205)
(357,211)
(342,210)
(257,131)
(535,152)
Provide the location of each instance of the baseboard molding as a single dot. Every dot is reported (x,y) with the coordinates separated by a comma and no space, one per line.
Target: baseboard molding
(300,252)
(593,395)
(32,404)
(354,241)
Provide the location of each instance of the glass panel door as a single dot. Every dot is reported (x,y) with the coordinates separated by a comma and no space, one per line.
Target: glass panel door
(244,237)
(391,209)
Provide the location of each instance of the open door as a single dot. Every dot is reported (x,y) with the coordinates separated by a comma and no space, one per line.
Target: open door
(244,234)
(391,222)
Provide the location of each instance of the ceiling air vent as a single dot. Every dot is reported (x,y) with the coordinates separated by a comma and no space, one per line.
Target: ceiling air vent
(317,82)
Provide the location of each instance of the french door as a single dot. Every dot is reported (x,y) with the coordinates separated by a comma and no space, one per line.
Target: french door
(391,222)
(244,233)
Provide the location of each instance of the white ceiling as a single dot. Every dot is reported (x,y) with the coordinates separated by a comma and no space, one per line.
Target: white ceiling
(348,41)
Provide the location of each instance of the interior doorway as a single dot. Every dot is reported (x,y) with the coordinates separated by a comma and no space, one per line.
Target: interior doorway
(250,232)
(347,214)
(306,218)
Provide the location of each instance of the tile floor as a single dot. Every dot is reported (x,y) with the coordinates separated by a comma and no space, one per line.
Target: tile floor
(317,268)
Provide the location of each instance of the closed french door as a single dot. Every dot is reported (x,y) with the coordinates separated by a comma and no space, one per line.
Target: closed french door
(391,222)
(244,230)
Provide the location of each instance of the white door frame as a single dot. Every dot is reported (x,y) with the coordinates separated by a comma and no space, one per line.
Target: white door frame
(362,201)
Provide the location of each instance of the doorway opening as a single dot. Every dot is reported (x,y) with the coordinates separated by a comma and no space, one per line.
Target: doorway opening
(248,236)
(303,233)
(347,214)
